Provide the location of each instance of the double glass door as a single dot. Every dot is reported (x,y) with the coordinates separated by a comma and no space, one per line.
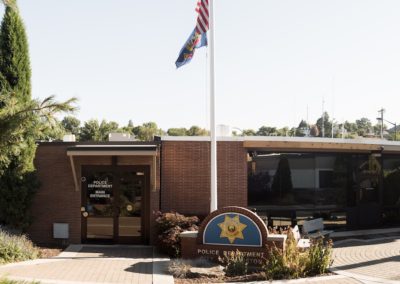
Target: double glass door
(113,204)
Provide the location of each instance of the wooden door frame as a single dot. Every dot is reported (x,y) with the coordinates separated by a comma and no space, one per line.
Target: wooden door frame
(116,170)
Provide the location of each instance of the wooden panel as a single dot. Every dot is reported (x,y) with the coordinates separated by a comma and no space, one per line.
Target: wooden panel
(311,146)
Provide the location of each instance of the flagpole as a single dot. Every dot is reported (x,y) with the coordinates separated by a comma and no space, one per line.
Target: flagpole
(214,196)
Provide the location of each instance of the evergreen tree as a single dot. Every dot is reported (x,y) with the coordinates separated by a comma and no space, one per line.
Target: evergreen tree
(15,76)
(302,129)
(327,131)
(22,122)
(14,54)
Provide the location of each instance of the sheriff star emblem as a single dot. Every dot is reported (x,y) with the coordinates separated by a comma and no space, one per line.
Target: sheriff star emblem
(231,228)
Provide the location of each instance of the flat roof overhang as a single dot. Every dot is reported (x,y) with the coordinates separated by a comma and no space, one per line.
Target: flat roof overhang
(109,150)
(112,150)
(295,144)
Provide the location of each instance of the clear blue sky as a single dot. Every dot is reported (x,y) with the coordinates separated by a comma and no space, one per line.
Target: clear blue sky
(273,59)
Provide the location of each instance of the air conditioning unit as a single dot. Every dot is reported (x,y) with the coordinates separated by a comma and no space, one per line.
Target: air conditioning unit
(69,138)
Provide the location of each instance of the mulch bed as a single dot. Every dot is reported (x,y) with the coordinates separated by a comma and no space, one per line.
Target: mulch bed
(246,278)
(50,251)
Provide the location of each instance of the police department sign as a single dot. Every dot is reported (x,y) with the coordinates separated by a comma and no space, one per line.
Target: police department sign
(227,230)
(232,229)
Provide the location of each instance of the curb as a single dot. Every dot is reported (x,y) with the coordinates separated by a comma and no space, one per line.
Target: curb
(363,278)
(301,280)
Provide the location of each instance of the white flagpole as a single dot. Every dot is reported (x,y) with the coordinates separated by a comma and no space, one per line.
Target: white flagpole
(214,196)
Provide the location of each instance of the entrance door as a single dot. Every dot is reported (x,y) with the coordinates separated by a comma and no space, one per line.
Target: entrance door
(114,204)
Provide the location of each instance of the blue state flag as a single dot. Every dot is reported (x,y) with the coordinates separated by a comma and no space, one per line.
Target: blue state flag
(194,41)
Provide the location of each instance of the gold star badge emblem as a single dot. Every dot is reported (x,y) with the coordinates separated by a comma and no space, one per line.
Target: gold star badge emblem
(231,228)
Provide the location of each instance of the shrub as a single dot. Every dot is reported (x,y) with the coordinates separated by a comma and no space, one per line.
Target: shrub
(295,263)
(16,248)
(179,268)
(16,194)
(286,264)
(235,263)
(319,257)
(169,226)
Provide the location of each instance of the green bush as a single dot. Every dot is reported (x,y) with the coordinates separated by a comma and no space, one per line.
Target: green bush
(235,263)
(169,226)
(16,194)
(295,262)
(16,248)
(319,257)
(287,264)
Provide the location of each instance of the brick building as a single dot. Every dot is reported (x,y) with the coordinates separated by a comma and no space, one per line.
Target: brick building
(109,191)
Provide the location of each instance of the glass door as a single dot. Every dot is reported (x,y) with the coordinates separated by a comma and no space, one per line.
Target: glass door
(98,204)
(130,205)
(113,204)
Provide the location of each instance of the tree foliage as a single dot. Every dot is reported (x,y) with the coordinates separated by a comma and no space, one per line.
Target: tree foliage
(266,131)
(71,125)
(148,130)
(21,124)
(197,131)
(177,131)
(364,126)
(302,129)
(23,121)
(14,54)
(326,130)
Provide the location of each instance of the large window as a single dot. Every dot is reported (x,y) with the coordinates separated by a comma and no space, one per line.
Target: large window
(301,179)
(304,185)
(391,189)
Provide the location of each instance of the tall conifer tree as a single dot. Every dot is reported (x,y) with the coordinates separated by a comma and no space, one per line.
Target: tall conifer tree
(15,65)
(18,181)
(15,77)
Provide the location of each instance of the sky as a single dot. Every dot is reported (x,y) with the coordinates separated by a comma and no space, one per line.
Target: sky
(276,62)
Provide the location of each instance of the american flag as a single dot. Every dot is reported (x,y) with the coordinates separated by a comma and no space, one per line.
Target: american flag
(202,19)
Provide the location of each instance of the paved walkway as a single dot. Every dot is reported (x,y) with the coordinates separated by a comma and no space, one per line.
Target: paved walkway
(370,261)
(355,261)
(92,264)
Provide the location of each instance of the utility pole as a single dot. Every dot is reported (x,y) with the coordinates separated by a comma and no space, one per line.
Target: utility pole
(323,118)
(382,110)
(308,125)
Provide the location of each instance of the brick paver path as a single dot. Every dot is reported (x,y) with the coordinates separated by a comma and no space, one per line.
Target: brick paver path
(120,264)
(378,258)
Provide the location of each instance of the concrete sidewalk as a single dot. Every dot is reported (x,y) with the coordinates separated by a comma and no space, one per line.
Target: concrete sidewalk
(93,264)
(370,261)
(355,261)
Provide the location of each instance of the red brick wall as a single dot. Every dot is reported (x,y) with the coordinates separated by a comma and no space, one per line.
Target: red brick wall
(185,183)
(185,177)
(56,199)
